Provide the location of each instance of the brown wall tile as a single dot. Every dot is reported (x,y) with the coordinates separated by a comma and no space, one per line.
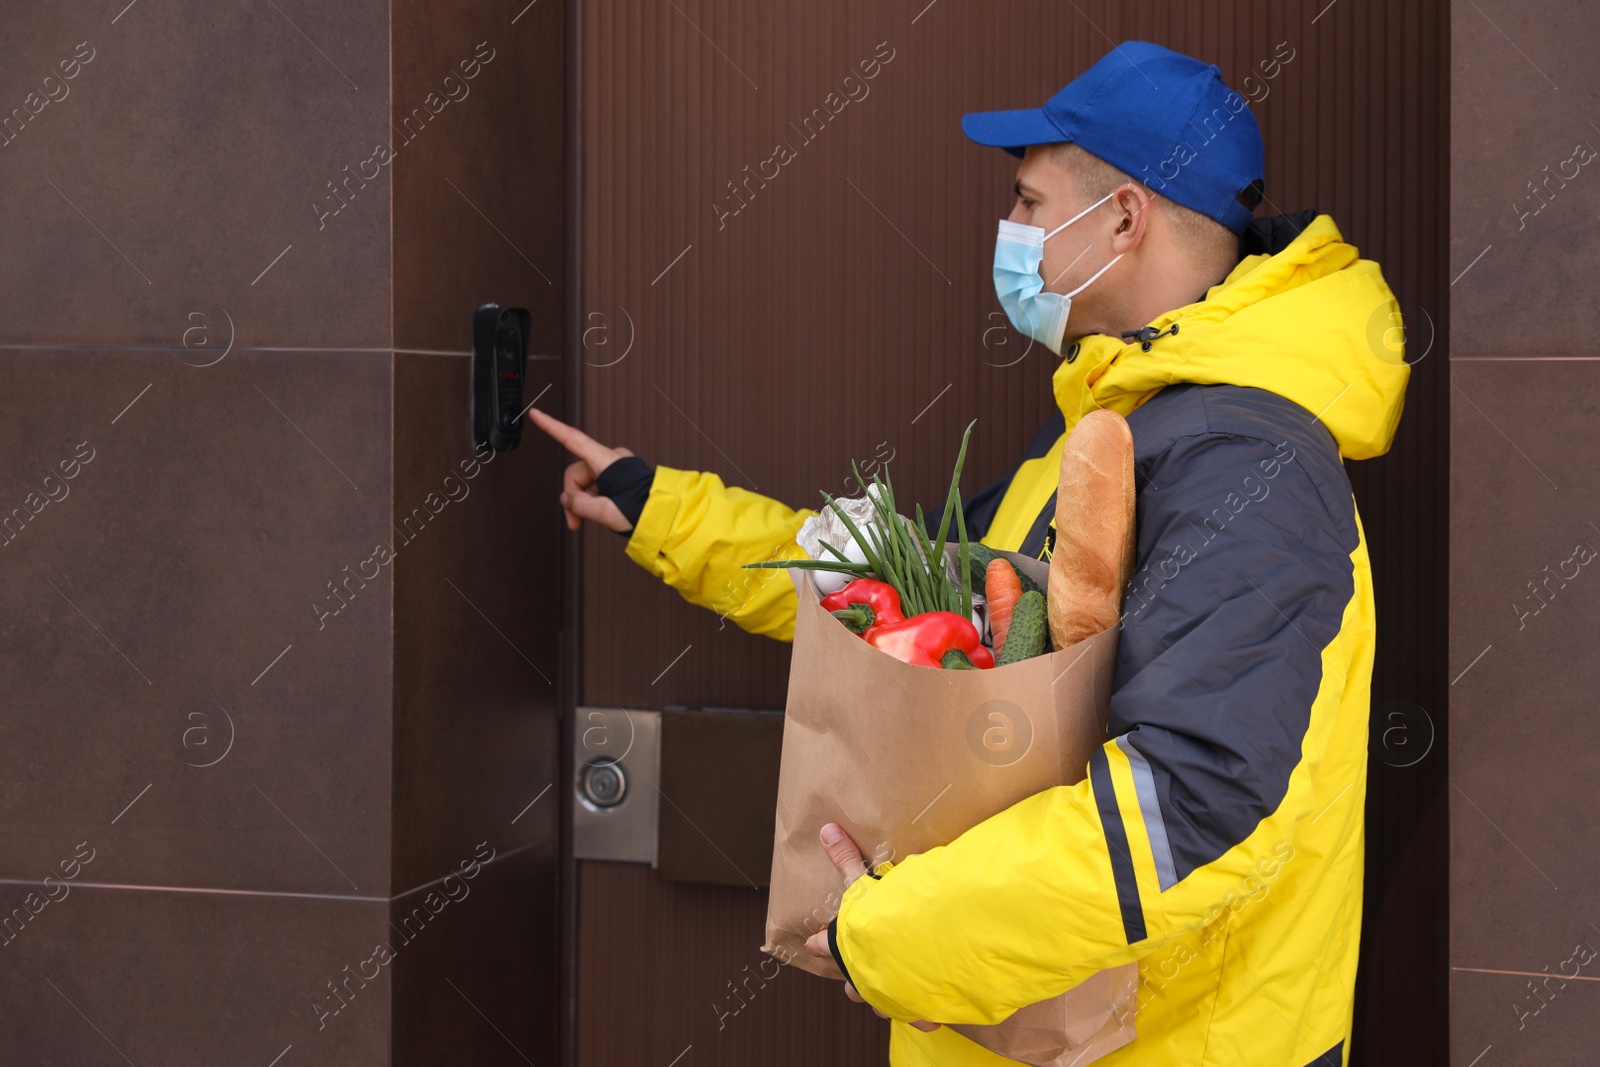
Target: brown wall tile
(477,620)
(171,591)
(1525,96)
(478,195)
(1524,497)
(475,982)
(196,142)
(194,978)
(1499,1019)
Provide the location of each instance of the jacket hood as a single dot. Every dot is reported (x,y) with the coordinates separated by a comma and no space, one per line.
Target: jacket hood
(1300,315)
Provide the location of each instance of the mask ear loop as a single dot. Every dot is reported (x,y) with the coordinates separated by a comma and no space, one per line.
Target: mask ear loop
(1095,275)
(1079,256)
(1080,214)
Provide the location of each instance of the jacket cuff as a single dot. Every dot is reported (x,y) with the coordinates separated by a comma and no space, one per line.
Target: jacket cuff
(627,482)
(655,521)
(833,947)
(833,924)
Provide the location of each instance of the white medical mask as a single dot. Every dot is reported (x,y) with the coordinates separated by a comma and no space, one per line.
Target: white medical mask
(1018,252)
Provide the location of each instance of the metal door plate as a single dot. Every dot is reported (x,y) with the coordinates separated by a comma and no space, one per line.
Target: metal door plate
(616,765)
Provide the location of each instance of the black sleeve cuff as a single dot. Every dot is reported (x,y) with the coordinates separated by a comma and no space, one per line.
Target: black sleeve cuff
(833,947)
(627,482)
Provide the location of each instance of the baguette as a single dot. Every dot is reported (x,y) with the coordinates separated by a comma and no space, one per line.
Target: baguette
(1094,547)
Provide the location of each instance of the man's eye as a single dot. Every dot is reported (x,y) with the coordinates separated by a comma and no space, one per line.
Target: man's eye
(1027,203)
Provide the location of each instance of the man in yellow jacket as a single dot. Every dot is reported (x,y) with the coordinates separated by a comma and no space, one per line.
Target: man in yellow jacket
(1217,836)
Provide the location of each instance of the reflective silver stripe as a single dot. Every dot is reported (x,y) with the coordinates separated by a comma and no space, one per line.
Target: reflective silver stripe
(1144,786)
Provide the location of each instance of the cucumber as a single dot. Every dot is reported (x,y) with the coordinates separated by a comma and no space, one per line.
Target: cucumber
(1030,630)
(978,557)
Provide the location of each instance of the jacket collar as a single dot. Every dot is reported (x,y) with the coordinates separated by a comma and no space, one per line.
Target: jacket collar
(1300,315)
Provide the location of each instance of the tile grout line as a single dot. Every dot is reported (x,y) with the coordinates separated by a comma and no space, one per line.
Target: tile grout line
(288,894)
(1531,974)
(497,858)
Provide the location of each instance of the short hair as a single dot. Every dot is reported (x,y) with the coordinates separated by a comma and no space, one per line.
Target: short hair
(1205,238)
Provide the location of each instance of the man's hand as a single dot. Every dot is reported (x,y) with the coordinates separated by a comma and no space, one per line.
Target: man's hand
(578,497)
(847,857)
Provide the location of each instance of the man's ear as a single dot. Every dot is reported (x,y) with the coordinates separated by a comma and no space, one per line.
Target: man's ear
(1132,202)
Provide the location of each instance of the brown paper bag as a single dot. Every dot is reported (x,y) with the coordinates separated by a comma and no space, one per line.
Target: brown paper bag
(907,758)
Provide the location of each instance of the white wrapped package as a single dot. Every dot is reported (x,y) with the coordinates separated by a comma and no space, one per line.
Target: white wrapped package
(826,525)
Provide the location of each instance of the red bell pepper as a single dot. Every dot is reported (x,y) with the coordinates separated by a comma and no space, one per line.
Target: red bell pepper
(933,639)
(863,604)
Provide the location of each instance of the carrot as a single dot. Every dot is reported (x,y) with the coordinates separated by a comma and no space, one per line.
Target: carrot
(1002,589)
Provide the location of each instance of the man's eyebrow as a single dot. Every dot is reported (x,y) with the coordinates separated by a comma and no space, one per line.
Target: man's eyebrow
(1033,193)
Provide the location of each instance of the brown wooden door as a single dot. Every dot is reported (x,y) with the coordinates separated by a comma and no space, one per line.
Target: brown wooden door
(841,309)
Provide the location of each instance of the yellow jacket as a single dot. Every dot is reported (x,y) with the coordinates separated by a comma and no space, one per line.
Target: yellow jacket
(1217,838)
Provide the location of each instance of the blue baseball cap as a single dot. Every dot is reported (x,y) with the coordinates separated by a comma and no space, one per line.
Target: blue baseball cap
(1162,117)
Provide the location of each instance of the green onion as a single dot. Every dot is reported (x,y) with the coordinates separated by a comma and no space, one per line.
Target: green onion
(903,557)
(860,570)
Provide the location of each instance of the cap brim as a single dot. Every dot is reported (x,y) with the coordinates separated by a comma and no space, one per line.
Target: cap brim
(1012,130)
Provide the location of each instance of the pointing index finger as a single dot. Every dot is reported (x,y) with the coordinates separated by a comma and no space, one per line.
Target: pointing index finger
(574,440)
